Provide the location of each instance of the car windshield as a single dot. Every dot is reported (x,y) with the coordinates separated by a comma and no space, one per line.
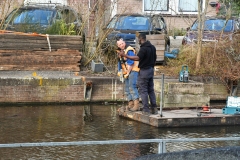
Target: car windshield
(216,25)
(129,23)
(30,16)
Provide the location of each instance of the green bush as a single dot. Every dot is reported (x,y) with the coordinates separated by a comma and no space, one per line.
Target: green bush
(61,28)
(177,32)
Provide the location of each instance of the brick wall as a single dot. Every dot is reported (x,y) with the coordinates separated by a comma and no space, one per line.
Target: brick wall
(40,90)
(37,89)
(130,6)
(107,89)
(173,21)
(179,22)
(50,89)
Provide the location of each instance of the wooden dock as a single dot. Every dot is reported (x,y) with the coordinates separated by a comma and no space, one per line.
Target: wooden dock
(184,118)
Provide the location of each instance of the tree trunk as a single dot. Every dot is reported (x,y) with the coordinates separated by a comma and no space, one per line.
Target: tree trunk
(201,21)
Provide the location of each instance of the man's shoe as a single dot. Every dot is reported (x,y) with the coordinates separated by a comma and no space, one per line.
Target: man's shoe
(146,113)
(122,109)
(129,106)
(135,106)
(154,110)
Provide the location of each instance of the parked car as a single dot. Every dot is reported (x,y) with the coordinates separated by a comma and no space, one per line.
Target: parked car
(125,26)
(213,29)
(39,17)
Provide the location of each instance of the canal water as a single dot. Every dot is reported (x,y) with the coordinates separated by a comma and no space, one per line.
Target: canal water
(69,122)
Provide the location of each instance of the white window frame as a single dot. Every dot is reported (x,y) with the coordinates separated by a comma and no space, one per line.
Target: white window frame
(173,8)
(189,4)
(163,10)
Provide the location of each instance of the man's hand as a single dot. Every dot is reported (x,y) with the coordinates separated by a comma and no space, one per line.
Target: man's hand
(120,53)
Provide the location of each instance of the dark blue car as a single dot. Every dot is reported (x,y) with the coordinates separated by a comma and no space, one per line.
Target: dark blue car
(125,26)
(214,29)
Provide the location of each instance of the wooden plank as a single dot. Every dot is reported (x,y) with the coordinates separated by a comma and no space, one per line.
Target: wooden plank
(156,37)
(31,60)
(32,68)
(27,52)
(160,55)
(32,37)
(63,52)
(160,52)
(46,48)
(38,42)
(21,36)
(15,41)
(33,46)
(157,42)
(160,47)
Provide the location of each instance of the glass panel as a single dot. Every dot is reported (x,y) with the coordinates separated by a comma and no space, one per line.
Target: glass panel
(216,25)
(132,23)
(156,5)
(188,6)
(35,16)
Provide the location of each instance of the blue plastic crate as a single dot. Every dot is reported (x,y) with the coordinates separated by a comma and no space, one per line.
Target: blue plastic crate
(231,110)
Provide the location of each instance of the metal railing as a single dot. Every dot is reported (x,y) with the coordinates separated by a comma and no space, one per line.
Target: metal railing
(161,142)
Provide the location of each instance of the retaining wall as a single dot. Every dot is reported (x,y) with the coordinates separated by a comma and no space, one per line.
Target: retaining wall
(64,87)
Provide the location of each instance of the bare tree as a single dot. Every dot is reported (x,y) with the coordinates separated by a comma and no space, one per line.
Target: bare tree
(201,20)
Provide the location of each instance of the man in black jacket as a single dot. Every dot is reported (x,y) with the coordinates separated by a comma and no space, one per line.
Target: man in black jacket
(147,58)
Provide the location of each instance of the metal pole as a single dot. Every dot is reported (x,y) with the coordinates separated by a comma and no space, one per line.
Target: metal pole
(162,147)
(162,95)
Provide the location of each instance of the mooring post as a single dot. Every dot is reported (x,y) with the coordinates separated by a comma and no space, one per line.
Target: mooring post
(162,95)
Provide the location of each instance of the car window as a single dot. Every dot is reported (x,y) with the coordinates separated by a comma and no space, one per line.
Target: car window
(157,23)
(130,23)
(30,16)
(237,24)
(68,16)
(112,23)
(216,25)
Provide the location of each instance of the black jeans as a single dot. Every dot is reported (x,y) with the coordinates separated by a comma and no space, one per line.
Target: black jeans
(146,88)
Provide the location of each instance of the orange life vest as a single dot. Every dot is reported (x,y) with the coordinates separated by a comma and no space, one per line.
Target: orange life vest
(135,64)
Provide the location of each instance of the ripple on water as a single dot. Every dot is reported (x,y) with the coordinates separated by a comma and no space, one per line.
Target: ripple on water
(65,123)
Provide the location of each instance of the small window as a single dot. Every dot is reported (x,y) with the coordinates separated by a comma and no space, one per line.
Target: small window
(188,6)
(156,5)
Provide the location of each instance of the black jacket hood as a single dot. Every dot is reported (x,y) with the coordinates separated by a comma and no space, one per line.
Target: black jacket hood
(146,44)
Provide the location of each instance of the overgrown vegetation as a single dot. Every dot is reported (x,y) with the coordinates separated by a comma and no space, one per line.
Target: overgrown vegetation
(177,32)
(61,28)
(229,7)
(219,59)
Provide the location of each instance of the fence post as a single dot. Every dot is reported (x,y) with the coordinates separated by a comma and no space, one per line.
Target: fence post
(162,147)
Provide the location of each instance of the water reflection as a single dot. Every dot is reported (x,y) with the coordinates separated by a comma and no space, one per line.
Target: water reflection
(65,123)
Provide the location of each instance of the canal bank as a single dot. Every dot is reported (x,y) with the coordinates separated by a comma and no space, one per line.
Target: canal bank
(65,86)
(182,102)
